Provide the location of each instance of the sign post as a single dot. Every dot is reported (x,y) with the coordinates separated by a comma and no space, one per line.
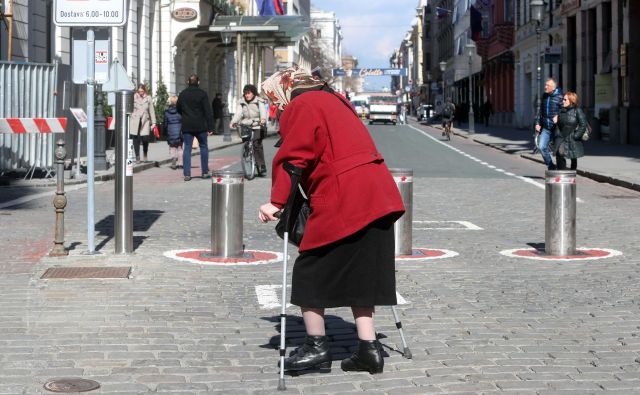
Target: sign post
(90,13)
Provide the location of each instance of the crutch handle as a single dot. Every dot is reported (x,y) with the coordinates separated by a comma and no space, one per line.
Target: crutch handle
(277,214)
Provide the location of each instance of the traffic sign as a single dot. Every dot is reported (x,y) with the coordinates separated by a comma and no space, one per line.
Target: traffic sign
(79,70)
(89,12)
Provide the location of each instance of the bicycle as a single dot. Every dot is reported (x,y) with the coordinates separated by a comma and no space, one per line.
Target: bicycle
(248,158)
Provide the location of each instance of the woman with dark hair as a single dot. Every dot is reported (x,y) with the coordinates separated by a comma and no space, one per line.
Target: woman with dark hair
(347,252)
(251,111)
(142,121)
(572,124)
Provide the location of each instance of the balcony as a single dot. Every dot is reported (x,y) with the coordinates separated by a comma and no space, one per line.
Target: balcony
(499,41)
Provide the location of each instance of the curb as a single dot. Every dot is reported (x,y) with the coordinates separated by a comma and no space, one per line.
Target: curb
(584,173)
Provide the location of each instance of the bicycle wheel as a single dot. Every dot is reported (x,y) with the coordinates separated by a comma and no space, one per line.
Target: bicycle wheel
(448,132)
(248,161)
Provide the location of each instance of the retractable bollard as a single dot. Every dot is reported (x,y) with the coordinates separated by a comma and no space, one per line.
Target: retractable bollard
(124,175)
(560,212)
(403,228)
(227,210)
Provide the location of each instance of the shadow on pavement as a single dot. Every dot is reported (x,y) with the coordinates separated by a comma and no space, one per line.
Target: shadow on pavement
(142,222)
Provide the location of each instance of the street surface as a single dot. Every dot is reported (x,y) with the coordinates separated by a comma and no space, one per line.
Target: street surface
(479,322)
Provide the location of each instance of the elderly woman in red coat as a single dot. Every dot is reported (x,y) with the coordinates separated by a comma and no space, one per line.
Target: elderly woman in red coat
(347,252)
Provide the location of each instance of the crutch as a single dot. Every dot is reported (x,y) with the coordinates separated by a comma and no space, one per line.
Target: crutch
(407,352)
(295,173)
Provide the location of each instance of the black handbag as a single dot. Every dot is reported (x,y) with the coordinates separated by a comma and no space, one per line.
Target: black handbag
(296,211)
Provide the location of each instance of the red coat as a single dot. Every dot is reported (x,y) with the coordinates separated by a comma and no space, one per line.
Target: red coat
(345,176)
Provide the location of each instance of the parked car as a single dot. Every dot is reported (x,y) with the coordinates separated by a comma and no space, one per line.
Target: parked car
(425,112)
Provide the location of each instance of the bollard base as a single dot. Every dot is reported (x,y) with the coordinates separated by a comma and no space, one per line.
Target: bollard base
(58,250)
(581,254)
(210,255)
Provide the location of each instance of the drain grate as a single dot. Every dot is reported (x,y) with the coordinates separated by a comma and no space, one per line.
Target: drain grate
(87,272)
(69,385)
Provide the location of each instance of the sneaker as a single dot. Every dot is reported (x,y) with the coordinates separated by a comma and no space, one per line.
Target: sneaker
(206,176)
(187,178)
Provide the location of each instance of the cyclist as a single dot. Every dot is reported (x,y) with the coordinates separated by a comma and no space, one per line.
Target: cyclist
(251,111)
(447,116)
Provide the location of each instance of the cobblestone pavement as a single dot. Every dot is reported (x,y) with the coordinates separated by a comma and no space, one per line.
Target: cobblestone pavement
(479,322)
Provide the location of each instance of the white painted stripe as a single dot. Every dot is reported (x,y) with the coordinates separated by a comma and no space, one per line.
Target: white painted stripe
(25,199)
(4,126)
(525,179)
(269,296)
(467,225)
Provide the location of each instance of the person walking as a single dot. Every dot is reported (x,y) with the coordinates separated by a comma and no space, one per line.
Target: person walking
(217,106)
(172,128)
(571,126)
(347,252)
(487,111)
(142,121)
(197,122)
(251,111)
(551,103)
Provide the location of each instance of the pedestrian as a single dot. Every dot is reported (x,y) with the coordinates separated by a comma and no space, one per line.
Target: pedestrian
(142,121)
(571,126)
(251,111)
(197,123)
(217,106)
(487,111)
(172,128)
(347,252)
(549,108)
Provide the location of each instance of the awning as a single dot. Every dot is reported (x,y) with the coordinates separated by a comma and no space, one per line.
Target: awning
(277,31)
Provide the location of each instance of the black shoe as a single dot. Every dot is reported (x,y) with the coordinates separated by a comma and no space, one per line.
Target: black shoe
(314,353)
(368,358)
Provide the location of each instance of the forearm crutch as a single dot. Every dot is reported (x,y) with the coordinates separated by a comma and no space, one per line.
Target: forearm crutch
(294,173)
(407,352)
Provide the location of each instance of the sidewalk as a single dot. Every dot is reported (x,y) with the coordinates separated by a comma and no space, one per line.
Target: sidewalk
(616,164)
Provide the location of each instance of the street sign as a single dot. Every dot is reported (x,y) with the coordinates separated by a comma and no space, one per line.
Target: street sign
(86,13)
(119,80)
(80,116)
(79,64)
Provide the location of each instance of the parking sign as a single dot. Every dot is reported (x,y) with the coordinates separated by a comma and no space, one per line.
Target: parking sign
(89,12)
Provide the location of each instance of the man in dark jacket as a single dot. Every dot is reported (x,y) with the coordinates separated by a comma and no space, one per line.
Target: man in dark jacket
(549,108)
(197,122)
(217,105)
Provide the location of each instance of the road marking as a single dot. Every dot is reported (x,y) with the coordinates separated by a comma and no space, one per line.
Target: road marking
(466,225)
(269,296)
(525,179)
(25,199)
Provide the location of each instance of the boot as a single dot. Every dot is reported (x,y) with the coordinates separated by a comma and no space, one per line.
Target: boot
(314,353)
(368,358)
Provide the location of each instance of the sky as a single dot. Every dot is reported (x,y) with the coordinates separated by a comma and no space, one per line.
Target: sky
(371,30)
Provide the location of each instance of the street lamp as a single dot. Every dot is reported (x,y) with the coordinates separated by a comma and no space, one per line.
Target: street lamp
(443,68)
(226,35)
(537,13)
(470,50)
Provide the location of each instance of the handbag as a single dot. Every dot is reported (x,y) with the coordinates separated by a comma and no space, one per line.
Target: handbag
(587,133)
(156,131)
(297,210)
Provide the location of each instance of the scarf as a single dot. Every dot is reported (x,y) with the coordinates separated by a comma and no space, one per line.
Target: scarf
(280,86)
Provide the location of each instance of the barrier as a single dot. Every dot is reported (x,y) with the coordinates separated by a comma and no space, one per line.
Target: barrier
(227,211)
(124,175)
(33,125)
(560,212)
(403,228)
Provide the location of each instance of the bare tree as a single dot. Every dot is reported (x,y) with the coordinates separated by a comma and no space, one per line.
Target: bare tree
(322,58)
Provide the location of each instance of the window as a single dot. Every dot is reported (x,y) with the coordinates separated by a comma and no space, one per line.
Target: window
(508,10)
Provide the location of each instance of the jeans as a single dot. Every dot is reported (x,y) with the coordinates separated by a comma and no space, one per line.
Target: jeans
(204,152)
(543,146)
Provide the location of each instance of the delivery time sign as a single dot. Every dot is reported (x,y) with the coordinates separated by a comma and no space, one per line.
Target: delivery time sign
(90,13)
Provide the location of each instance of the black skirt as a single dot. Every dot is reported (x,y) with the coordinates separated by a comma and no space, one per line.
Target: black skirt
(356,271)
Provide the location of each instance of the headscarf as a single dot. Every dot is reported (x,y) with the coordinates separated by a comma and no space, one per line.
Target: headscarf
(279,87)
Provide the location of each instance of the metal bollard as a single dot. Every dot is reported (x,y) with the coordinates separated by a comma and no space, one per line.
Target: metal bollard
(227,211)
(124,175)
(560,212)
(59,202)
(403,228)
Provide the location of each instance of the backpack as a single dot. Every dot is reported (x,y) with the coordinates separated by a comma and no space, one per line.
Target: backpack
(447,112)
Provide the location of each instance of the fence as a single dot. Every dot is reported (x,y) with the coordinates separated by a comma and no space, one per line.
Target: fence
(27,90)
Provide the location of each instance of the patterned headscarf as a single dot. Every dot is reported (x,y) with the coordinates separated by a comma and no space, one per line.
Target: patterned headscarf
(279,86)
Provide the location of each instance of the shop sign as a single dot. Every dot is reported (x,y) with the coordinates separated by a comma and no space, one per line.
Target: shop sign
(184,14)
(569,5)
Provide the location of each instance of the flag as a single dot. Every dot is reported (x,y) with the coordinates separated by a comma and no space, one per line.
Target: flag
(270,7)
(442,12)
(476,23)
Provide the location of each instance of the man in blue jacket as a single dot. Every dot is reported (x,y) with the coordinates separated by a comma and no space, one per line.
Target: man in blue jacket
(549,108)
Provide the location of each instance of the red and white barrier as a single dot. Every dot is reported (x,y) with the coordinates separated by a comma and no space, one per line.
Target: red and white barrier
(110,124)
(33,125)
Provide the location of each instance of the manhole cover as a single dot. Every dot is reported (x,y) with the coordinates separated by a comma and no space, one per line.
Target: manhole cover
(71,385)
(87,272)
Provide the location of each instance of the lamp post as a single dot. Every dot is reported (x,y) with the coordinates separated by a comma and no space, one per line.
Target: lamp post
(470,50)
(226,35)
(443,68)
(537,11)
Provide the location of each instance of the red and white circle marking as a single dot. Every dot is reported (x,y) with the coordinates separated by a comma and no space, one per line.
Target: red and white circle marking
(423,254)
(584,254)
(198,256)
